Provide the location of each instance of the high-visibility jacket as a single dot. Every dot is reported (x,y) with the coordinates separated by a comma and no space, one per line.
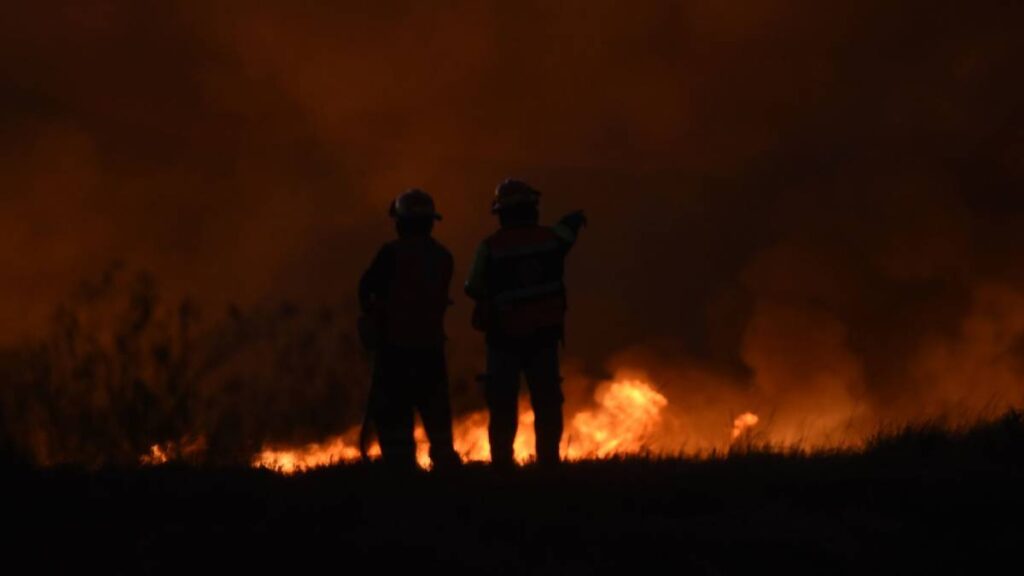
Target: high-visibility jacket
(517,280)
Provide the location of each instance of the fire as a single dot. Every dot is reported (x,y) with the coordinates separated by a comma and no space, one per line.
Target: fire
(742,423)
(627,413)
(156,456)
(336,450)
(159,454)
(472,443)
(626,416)
(288,461)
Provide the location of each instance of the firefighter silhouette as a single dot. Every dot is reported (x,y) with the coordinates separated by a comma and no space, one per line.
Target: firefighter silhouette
(403,297)
(517,282)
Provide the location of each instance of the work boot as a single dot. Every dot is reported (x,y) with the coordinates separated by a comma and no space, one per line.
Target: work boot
(445,461)
(503,462)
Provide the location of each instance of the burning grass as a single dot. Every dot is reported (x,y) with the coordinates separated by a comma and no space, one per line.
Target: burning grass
(625,417)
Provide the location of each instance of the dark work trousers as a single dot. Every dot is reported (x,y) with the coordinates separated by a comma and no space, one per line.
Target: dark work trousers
(405,380)
(538,362)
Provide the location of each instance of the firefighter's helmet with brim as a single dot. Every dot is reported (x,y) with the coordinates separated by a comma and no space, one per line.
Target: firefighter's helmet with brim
(512,193)
(413,204)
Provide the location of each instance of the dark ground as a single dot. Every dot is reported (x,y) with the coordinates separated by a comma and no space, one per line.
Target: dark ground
(918,501)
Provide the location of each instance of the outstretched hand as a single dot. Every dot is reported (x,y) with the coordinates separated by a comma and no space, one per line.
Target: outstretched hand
(575,220)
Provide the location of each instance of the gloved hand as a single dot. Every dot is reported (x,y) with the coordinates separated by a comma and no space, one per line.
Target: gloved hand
(575,220)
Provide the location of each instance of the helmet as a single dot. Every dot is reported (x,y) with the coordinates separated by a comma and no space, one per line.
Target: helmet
(513,192)
(413,203)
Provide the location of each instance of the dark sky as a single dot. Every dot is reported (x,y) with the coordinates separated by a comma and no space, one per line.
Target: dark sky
(791,193)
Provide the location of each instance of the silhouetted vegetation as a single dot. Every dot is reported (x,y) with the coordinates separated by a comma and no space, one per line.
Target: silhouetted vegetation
(121,370)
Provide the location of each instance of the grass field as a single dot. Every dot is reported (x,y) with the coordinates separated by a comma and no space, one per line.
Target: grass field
(916,501)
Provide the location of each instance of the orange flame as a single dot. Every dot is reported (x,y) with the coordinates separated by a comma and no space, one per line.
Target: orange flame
(288,461)
(168,451)
(156,456)
(626,415)
(742,423)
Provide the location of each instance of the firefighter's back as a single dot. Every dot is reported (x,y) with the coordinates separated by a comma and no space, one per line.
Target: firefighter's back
(525,276)
(418,298)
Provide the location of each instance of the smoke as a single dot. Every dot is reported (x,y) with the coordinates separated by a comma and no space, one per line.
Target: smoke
(811,210)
